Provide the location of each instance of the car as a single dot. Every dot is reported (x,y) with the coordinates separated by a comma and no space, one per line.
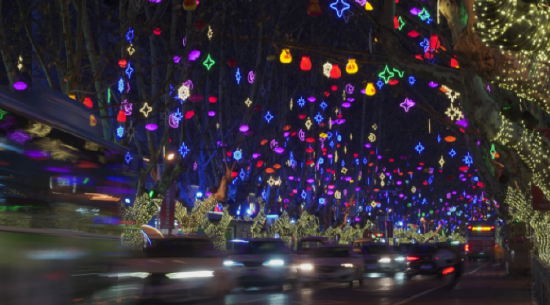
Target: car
(381,258)
(177,269)
(332,263)
(431,260)
(307,245)
(261,262)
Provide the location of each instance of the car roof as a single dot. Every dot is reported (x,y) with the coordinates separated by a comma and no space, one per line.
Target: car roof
(257,239)
(314,238)
(331,245)
(363,240)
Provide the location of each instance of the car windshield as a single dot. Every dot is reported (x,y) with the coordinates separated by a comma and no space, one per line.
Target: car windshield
(260,247)
(381,249)
(310,245)
(331,252)
(179,248)
(423,250)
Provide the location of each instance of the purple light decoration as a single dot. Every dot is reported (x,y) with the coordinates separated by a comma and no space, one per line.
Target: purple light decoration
(279,150)
(156,1)
(357,219)
(399,182)
(357,189)
(291,178)
(330,193)
(151,127)
(407,104)
(363,91)
(478,142)
(211,113)
(433,85)
(20,86)
(19,137)
(243,128)
(351,99)
(415,11)
(368,145)
(310,180)
(36,153)
(340,121)
(346,105)
(454,192)
(327,179)
(286,134)
(311,99)
(251,77)
(177,59)
(329,156)
(379,157)
(463,179)
(401,196)
(256,156)
(349,89)
(348,178)
(462,123)
(57,169)
(419,168)
(194,55)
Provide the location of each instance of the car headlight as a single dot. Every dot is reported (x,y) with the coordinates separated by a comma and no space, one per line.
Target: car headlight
(347,265)
(400,259)
(275,263)
(188,275)
(385,260)
(141,275)
(306,267)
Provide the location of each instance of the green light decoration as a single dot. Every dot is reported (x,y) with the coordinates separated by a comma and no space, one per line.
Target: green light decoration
(216,231)
(190,222)
(151,193)
(493,151)
(2,114)
(257,223)
(136,215)
(386,75)
(401,23)
(108,95)
(400,73)
(86,180)
(424,15)
(208,62)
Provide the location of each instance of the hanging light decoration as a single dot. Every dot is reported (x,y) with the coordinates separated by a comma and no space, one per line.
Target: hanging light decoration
(286,57)
(314,8)
(370,90)
(335,72)
(189,5)
(121,117)
(351,67)
(305,65)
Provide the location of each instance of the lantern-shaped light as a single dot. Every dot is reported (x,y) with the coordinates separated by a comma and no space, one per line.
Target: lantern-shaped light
(335,72)
(286,57)
(368,6)
(122,63)
(370,90)
(454,63)
(121,117)
(314,8)
(351,67)
(305,65)
(93,120)
(88,102)
(189,5)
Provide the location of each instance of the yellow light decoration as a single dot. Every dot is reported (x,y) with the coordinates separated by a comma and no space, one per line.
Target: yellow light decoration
(210,33)
(368,7)
(441,162)
(323,135)
(344,170)
(131,50)
(73,96)
(189,5)
(372,137)
(291,102)
(351,67)
(413,189)
(285,57)
(248,102)
(374,126)
(93,120)
(271,181)
(146,110)
(370,90)
(337,195)
(184,92)
(308,123)
(373,204)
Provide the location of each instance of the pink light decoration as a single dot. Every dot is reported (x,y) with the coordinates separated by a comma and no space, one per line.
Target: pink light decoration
(291,178)
(346,105)
(351,99)
(329,156)
(256,156)
(211,113)
(367,145)
(194,55)
(407,104)
(399,182)
(433,85)
(331,187)
(462,123)
(357,189)
(415,11)
(20,86)
(310,180)
(330,193)
(311,99)
(243,128)
(151,127)
(177,59)
(401,196)
(349,89)
(279,150)
(286,134)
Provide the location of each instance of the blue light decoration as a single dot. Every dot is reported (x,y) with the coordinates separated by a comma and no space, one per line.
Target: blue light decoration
(468,160)
(321,200)
(120,85)
(130,35)
(238,76)
(340,12)
(452,153)
(438,139)
(268,117)
(412,80)
(304,194)
(343,163)
(237,155)
(323,105)
(178,116)
(242,174)
(128,158)
(365,160)
(424,15)
(183,150)
(331,144)
(318,118)
(301,102)
(356,161)
(120,131)
(329,135)
(127,200)
(419,148)
(321,160)
(425,44)
(129,70)
(339,138)
(380,84)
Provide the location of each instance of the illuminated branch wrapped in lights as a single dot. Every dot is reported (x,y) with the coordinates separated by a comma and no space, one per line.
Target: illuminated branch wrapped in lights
(137,215)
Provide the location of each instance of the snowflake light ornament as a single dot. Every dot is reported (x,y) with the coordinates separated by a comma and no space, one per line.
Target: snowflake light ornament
(183,150)
(468,160)
(318,118)
(237,155)
(301,102)
(419,148)
(268,117)
(120,131)
(184,92)
(128,158)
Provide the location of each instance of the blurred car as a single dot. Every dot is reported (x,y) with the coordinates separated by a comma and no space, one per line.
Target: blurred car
(431,260)
(382,258)
(308,245)
(177,269)
(261,262)
(332,263)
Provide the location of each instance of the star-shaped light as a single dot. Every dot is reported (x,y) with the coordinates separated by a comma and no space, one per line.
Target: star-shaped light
(493,150)
(120,131)
(120,85)
(242,175)
(323,105)
(424,15)
(419,148)
(131,49)
(304,194)
(380,84)
(425,44)
(129,70)
(184,92)
(238,76)
(407,104)
(339,12)
(177,115)
(441,161)
(308,123)
(208,62)
(401,23)
(183,150)
(2,114)
(237,155)
(365,160)
(301,102)
(344,170)
(268,117)
(386,75)
(412,80)
(318,118)
(468,160)
(130,35)
(248,102)
(128,158)
(271,181)
(146,110)
(327,67)
(452,153)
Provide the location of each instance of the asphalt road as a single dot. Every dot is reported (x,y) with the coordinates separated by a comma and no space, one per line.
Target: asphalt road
(481,284)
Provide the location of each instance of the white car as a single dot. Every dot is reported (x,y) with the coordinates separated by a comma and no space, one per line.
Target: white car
(332,263)
(261,262)
(177,269)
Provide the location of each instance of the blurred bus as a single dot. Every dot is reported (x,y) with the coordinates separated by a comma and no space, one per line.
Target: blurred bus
(480,239)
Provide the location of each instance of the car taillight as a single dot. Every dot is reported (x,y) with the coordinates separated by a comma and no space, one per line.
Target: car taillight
(448,270)
(467,248)
(411,258)
(492,227)
(469,227)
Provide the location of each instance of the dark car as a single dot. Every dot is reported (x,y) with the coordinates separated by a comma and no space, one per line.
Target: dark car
(431,260)
(382,258)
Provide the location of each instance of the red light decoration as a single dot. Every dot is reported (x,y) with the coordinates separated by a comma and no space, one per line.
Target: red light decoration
(234,174)
(212,99)
(122,63)
(396,22)
(229,154)
(310,140)
(314,9)
(305,65)
(232,63)
(200,24)
(413,34)
(434,42)
(88,103)
(309,150)
(302,116)
(121,117)
(419,56)
(448,270)
(335,72)
(157,31)
(412,258)
(393,82)
(189,114)
(259,163)
(334,88)
(454,63)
